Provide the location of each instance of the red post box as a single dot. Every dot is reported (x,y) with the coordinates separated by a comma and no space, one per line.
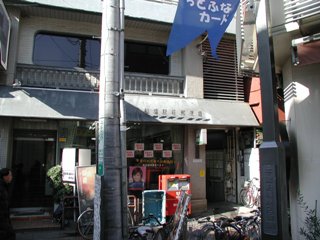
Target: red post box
(173,184)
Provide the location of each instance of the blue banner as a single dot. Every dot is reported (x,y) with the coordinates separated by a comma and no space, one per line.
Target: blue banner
(194,17)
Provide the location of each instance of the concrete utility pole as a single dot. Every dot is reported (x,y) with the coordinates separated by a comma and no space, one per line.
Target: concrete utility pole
(108,212)
(123,128)
(272,156)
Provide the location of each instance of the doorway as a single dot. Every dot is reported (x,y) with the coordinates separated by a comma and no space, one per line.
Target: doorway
(215,159)
(221,177)
(33,154)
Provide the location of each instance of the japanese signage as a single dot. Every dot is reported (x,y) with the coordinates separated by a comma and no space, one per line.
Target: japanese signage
(148,154)
(139,146)
(130,154)
(157,146)
(194,17)
(68,164)
(176,146)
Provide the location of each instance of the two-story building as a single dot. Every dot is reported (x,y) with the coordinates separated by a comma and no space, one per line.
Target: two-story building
(294,31)
(186,113)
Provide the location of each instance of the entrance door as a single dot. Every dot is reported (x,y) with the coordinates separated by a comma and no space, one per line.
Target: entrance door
(215,175)
(215,162)
(33,155)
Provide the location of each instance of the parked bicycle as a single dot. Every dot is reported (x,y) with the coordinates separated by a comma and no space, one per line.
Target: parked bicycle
(220,229)
(85,224)
(174,229)
(249,226)
(224,228)
(250,194)
(150,229)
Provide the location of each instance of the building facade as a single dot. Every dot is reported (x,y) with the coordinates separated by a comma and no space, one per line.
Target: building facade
(294,31)
(186,113)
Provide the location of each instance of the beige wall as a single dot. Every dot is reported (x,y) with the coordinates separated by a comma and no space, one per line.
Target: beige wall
(196,168)
(302,118)
(193,69)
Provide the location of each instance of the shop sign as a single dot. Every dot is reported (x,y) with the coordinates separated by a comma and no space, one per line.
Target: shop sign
(155,162)
(189,114)
(68,164)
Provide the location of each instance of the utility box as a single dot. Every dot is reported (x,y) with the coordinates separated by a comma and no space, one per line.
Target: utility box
(173,185)
(154,203)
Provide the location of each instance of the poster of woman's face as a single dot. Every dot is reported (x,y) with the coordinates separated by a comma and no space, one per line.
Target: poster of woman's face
(137,175)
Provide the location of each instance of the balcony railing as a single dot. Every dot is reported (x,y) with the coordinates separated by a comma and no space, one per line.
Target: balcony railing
(79,79)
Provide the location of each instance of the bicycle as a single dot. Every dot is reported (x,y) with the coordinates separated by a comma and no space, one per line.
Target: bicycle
(250,194)
(220,229)
(151,229)
(85,224)
(249,226)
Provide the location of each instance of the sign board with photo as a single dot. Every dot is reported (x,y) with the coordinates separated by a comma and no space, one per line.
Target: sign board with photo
(137,176)
(85,176)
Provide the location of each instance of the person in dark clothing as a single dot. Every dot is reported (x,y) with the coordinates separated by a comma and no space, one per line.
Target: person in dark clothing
(6,230)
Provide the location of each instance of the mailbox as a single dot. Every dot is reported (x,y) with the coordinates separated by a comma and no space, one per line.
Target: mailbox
(174,184)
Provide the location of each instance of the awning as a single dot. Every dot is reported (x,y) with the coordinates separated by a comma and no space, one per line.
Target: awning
(66,104)
(143,108)
(46,103)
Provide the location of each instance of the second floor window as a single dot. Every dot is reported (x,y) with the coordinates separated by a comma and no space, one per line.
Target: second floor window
(145,58)
(78,51)
(66,51)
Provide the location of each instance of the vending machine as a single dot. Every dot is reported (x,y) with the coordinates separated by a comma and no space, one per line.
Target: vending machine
(174,184)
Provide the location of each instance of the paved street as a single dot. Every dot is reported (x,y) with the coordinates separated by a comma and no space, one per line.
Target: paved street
(47,230)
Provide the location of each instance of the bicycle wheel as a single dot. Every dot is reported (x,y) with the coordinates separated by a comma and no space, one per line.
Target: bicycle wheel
(231,232)
(253,231)
(85,224)
(244,198)
(208,234)
(130,218)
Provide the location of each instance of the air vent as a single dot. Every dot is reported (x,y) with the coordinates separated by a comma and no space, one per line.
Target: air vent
(221,79)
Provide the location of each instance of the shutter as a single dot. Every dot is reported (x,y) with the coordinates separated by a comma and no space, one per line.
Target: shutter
(220,76)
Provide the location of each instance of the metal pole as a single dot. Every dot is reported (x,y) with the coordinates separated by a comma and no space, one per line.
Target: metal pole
(109,157)
(272,156)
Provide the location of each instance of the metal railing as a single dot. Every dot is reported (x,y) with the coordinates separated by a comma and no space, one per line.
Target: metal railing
(80,79)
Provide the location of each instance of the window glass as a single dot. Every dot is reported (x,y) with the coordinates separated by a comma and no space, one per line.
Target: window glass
(156,149)
(77,51)
(146,58)
(66,51)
